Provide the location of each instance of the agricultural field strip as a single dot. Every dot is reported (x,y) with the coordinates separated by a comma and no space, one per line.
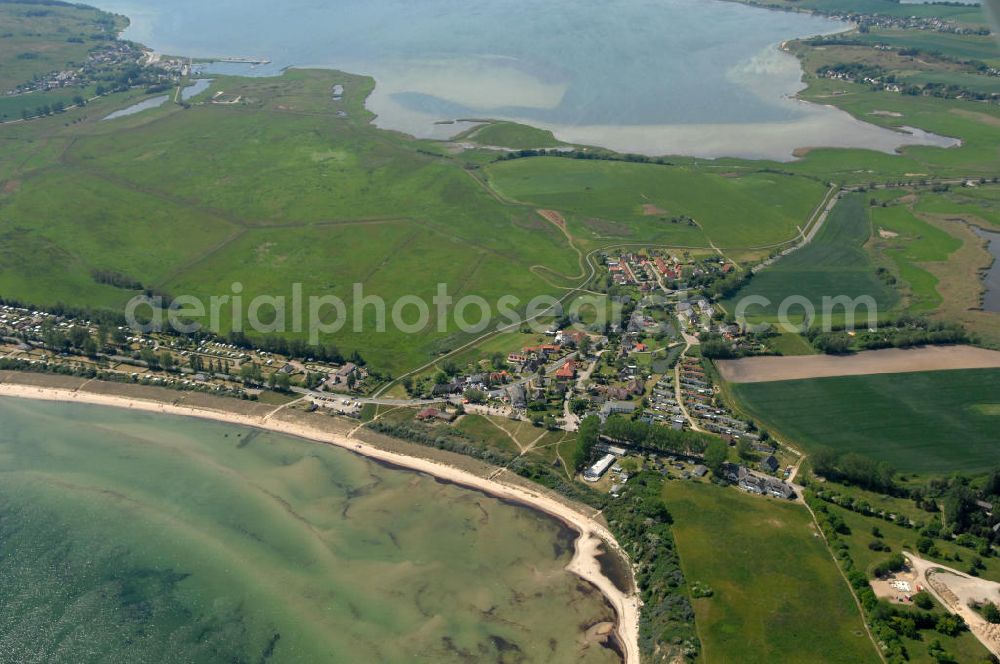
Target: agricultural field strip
(886,361)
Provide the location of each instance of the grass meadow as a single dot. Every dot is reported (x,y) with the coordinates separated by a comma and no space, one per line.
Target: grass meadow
(915,244)
(289,186)
(934,422)
(977,125)
(777,594)
(512,135)
(282,191)
(962,47)
(631,202)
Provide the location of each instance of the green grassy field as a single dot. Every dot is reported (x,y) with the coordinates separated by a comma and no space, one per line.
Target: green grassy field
(790,343)
(984,84)
(635,202)
(511,135)
(835,263)
(971,47)
(976,124)
(275,191)
(917,242)
(926,422)
(280,189)
(777,594)
(981,204)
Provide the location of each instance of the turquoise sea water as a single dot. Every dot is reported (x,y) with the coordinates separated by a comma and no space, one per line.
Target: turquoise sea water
(128,537)
(657,76)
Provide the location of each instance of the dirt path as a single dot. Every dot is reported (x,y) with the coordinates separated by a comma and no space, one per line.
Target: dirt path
(887,361)
(509,435)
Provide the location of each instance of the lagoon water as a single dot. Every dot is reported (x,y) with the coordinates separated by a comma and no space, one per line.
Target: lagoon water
(991,279)
(139,107)
(700,77)
(134,537)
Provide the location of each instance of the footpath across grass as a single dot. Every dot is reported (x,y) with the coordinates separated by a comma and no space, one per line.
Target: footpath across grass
(924,422)
(776,592)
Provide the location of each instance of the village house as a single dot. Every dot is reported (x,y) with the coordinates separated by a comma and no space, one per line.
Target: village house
(567,371)
(574,337)
(616,408)
(517,396)
(428,414)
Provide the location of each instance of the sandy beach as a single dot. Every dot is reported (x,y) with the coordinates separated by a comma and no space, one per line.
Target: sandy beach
(592,535)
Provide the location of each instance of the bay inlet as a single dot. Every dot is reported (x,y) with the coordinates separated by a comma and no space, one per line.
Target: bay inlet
(687,77)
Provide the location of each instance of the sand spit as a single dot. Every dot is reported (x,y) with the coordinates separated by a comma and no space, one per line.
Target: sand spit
(887,361)
(588,546)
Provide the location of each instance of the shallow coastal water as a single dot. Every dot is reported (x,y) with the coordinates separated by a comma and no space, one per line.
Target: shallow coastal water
(991,279)
(129,537)
(698,77)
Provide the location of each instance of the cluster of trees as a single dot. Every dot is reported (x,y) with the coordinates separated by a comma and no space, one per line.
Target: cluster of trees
(116,279)
(654,436)
(587,436)
(715,347)
(908,331)
(584,154)
(831,343)
(958,499)
(293,348)
(12,364)
(853,468)
(903,332)
(862,506)
(641,522)
(728,285)
(442,438)
(990,612)
(853,70)
(43,111)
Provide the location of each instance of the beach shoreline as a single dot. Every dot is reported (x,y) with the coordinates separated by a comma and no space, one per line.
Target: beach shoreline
(591,535)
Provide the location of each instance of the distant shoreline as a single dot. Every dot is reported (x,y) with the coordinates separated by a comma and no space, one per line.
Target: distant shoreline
(587,547)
